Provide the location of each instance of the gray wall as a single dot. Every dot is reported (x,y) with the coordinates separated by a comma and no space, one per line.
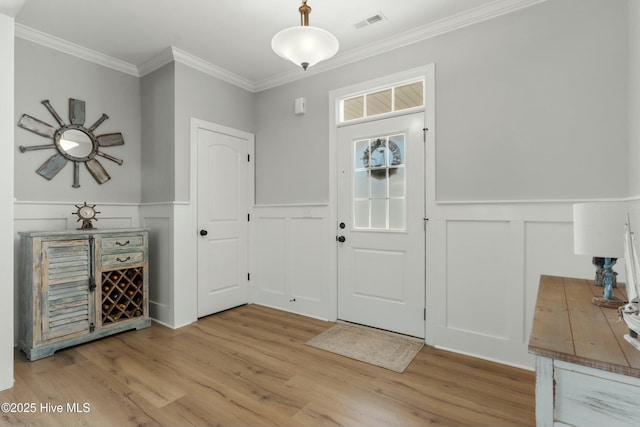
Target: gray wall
(207,98)
(158,131)
(172,95)
(43,73)
(527,106)
(634,98)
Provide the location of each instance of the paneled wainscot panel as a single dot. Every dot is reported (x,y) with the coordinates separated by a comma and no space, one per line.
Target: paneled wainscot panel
(477,281)
(160,269)
(271,255)
(308,268)
(291,259)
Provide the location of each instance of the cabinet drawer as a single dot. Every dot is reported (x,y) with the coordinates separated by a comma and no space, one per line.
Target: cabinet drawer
(591,397)
(122,258)
(122,242)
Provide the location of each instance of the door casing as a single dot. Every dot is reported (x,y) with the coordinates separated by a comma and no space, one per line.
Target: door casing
(428,73)
(197,124)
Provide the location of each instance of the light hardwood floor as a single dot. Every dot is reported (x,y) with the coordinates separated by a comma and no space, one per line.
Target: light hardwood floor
(250,367)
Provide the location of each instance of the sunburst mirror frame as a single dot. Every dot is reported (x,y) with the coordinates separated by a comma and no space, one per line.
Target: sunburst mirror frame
(74,142)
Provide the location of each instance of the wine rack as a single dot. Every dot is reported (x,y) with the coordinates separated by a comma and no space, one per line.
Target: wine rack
(122,294)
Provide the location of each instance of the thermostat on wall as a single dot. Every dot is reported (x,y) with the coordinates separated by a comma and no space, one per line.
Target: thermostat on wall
(299,106)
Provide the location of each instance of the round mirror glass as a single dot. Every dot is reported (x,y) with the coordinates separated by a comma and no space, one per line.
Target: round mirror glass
(76,143)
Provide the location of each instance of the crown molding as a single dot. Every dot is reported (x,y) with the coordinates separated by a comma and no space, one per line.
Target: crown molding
(206,67)
(157,61)
(171,53)
(451,23)
(73,49)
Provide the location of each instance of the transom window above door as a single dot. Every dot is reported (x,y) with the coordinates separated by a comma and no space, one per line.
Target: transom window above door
(404,96)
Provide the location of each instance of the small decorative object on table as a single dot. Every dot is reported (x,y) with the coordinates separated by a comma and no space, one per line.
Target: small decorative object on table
(598,229)
(86,213)
(599,279)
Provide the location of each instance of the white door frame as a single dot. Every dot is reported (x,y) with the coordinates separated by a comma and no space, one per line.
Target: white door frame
(193,186)
(428,73)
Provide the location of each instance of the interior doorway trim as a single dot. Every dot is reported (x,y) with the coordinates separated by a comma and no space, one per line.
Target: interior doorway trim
(428,73)
(193,188)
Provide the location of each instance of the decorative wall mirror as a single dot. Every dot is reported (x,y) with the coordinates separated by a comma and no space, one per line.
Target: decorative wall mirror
(74,142)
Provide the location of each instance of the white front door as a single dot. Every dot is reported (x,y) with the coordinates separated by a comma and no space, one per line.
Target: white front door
(222,219)
(381,237)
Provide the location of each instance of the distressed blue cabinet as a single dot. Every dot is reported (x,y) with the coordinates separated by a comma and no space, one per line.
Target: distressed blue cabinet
(77,286)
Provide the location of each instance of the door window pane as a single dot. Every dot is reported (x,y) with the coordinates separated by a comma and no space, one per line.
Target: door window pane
(361,184)
(361,153)
(379,183)
(396,150)
(353,108)
(361,213)
(379,102)
(396,214)
(396,182)
(379,213)
(409,96)
(378,153)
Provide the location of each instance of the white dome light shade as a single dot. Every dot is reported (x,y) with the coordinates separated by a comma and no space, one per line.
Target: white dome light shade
(305,45)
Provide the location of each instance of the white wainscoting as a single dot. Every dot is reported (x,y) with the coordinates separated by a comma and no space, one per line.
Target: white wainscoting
(483,266)
(484,262)
(291,267)
(173,287)
(158,218)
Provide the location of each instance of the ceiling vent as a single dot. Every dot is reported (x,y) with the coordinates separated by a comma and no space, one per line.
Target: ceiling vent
(378,17)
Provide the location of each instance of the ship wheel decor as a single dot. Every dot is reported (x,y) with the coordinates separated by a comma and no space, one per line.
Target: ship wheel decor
(74,142)
(86,213)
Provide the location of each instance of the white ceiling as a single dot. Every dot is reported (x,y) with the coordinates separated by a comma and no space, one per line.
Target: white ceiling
(235,35)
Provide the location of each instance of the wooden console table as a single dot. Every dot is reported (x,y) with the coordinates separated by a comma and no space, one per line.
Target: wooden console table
(586,373)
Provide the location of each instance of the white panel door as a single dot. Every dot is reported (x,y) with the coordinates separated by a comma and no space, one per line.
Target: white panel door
(222,220)
(381,237)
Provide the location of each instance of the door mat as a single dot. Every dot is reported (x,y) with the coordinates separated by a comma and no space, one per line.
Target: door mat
(381,348)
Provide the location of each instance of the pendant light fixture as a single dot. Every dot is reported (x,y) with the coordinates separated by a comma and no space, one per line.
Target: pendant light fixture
(305,45)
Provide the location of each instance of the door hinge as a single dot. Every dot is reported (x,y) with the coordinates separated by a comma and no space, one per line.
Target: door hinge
(248,157)
(248,217)
(92,327)
(248,276)
(424,134)
(424,313)
(424,222)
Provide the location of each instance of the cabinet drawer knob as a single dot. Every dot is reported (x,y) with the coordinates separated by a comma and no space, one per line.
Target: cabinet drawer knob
(123,260)
(122,244)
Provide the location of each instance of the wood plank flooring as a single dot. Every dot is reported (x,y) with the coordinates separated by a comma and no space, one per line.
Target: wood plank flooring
(250,367)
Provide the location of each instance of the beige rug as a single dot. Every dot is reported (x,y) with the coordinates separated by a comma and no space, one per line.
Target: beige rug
(385,349)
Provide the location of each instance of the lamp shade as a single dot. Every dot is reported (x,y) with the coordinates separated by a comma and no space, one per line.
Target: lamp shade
(598,229)
(305,45)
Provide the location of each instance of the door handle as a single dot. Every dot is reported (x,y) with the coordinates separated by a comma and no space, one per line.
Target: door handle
(203,232)
(341,239)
